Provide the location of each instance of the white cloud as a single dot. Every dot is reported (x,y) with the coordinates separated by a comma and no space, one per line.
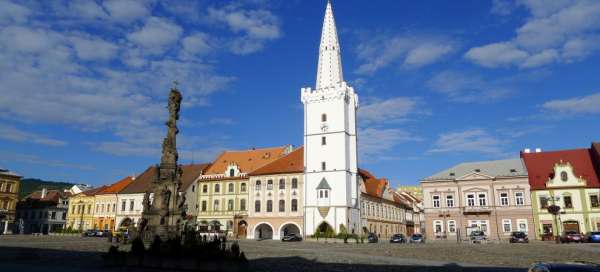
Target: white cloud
(577,105)
(197,44)
(467,88)
(94,48)
(374,143)
(379,51)
(156,35)
(86,9)
(502,7)
(496,54)
(471,140)
(13,13)
(17,135)
(8,156)
(126,10)
(556,31)
(391,110)
(257,26)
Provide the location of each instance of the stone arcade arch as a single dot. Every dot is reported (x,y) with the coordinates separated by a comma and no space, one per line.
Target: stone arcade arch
(263,231)
(289,228)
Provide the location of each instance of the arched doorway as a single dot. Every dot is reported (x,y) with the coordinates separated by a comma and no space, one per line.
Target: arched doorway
(325,230)
(289,228)
(263,231)
(126,223)
(571,225)
(242,225)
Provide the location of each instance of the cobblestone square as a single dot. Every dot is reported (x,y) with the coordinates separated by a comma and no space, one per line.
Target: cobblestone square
(55,253)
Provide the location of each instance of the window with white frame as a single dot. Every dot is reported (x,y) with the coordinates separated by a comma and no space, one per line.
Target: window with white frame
(451,226)
(438,226)
(482,199)
(450,201)
(470,200)
(436,201)
(503,199)
(522,225)
(506,225)
(519,198)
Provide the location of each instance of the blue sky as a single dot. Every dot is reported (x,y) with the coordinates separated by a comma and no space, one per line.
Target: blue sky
(83,84)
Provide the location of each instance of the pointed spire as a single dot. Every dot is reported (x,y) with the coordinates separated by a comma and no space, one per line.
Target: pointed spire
(329,72)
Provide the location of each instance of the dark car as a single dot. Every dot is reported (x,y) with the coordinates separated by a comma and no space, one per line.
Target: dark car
(593,237)
(571,236)
(291,238)
(519,237)
(417,238)
(372,238)
(563,267)
(477,236)
(90,233)
(398,238)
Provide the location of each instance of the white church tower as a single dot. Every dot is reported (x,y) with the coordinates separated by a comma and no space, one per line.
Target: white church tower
(331,190)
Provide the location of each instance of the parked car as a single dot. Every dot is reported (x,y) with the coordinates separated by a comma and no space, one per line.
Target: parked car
(571,236)
(477,236)
(563,267)
(291,238)
(398,238)
(372,238)
(417,238)
(90,233)
(519,237)
(593,237)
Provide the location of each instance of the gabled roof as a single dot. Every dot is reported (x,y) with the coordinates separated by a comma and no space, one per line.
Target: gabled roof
(291,163)
(246,160)
(498,168)
(595,151)
(142,182)
(93,192)
(190,172)
(540,166)
(373,186)
(323,185)
(117,186)
(51,195)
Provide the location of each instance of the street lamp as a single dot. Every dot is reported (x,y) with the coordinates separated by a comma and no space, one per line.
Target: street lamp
(555,210)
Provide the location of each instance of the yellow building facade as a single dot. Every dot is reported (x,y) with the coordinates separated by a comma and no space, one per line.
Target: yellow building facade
(80,215)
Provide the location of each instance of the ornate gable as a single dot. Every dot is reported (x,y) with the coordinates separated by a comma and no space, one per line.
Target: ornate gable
(564,176)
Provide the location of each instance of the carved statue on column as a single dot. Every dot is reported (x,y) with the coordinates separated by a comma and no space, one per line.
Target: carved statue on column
(163,215)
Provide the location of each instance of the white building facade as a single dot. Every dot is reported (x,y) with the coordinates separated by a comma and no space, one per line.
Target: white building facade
(330,149)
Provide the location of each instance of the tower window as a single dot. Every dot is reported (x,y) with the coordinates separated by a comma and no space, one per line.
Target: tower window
(323,166)
(323,140)
(323,117)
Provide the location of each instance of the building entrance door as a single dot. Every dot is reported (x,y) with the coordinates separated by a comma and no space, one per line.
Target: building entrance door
(571,226)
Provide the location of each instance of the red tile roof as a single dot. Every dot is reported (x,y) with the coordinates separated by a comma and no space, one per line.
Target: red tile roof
(540,166)
(247,160)
(51,195)
(190,173)
(291,163)
(373,186)
(142,182)
(117,186)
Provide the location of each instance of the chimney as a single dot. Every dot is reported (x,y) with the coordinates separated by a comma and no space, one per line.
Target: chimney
(527,150)
(44,192)
(538,150)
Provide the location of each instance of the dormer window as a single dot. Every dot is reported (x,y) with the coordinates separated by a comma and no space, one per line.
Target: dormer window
(564,176)
(231,172)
